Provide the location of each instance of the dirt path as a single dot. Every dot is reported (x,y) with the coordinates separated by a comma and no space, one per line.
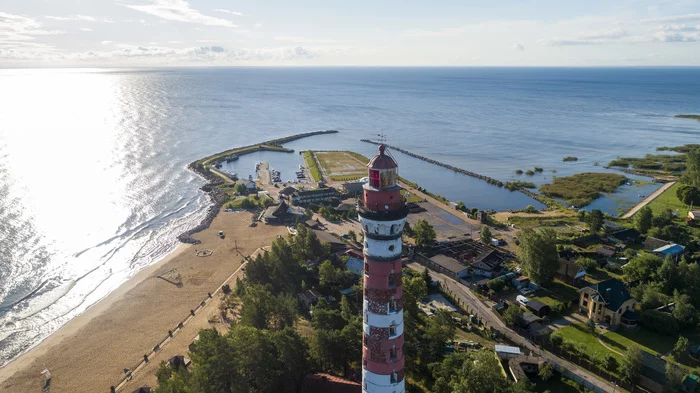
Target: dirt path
(648,199)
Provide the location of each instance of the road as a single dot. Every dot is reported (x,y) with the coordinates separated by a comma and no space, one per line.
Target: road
(484,312)
(648,199)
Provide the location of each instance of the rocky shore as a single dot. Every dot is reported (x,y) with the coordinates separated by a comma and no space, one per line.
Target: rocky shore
(218,197)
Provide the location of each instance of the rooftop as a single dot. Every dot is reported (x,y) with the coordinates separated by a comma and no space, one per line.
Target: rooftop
(507,349)
(613,291)
(448,263)
(382,160)
(670,249)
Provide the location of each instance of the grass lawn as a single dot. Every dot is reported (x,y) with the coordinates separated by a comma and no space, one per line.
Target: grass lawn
(601,275)
(558,291)
(341,164)
(556,384)
(304,327)
(646,339)
(474,335)
(412,197)
(669,200)
(579,334)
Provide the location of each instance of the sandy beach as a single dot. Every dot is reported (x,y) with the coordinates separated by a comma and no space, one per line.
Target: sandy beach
(90,352)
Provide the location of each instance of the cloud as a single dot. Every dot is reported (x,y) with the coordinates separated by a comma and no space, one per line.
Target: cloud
(72,17)
(518,47)
(228,12)
(21,28)
(133,54)
(106,42)
(180,11)
(672,19)
(86,29)
(303,40)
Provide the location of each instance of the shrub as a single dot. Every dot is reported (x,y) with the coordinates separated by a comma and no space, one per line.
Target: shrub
(659,321)
(570,158)
(529,172)
(519,172)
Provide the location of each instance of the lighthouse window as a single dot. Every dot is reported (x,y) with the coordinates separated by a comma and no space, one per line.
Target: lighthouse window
(391,247)
(374,178)
(392,329)
(392,279)
(393,229)
(392,305)
(392,353)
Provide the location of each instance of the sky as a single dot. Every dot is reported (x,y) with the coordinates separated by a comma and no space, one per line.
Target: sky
(111,33)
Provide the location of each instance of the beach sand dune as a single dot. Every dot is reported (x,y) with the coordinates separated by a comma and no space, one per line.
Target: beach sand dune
(90,352)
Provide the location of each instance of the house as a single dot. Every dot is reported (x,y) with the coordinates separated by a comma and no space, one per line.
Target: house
(287,192)
(251,187)
(323,383)
(507,352)
(605,252)
(520,366)
(653,373)
(609,302)
(353,188)
(530,318)
(694,215)
(569,272)
(356,266)
(520,282)
(336,244)
(309,298)
(313,224)
(629,235)
(673,250)
(275,214)
(318,195)
(652,243)
(538,308)
(487,264)
(449,266)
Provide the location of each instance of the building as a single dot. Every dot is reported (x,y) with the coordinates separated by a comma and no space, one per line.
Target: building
(507,352)
(318,195)
(355,265)
(690,384)
(309,298)
(569,272)
(336,244)
(450,266)
(629,235)
(275,214)
(251,187)
(488,264)
(673,250)
(353,188)
(382,214)
(287,192)
(694,215)
(538,308)
(609,302)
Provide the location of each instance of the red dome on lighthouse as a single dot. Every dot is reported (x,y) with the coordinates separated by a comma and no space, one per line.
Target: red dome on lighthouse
(382,161)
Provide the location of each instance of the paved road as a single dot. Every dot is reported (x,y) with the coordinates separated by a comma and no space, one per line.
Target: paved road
(467,296)
(648,199)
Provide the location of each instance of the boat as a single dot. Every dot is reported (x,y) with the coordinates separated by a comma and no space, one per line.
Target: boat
(232,158)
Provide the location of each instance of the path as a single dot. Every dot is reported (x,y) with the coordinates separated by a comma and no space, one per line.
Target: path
(648,199)
(465,295)
(608,347)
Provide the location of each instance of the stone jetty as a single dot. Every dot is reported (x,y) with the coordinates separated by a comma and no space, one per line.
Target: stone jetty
(218,197)
(487,179)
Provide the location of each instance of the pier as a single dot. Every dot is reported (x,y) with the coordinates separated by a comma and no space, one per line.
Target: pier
(648,199)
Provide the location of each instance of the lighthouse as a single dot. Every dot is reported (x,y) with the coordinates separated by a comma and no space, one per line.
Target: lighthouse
(382,213)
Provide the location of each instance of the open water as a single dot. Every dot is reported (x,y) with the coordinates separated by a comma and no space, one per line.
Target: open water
(93,179)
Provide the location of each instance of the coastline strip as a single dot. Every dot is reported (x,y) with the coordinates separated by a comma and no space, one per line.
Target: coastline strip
(648,199)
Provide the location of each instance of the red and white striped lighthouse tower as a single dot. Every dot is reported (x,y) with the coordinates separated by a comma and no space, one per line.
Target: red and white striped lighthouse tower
(382,214)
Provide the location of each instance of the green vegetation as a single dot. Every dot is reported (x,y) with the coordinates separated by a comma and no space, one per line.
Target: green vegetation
(543,221)
(569,159)
(342,165)
(648,340)
(538,169)
(485,235)
(696,117)
(412,198)
(583,188)
(423,233)
(660,162)
(538,254)
(408,183)
(310,160)
(519,172)
(668,200)
(679,149)
(578,340)
(529,172)
(513,186)
(250,202)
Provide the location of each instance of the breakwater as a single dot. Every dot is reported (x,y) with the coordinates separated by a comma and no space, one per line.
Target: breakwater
(218,197)
(490,180)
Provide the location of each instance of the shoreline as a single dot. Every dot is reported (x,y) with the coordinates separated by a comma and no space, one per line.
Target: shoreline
(96,309)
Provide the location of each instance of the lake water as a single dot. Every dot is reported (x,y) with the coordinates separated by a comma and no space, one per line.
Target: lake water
(93,178)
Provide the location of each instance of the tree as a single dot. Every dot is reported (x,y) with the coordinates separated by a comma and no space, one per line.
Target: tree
(461,207)
(327,273)
(538,254)
(668,275)
(480,374)
(423,233)
(530,209)
(690,195)
(610,362)
(692,168)
(595,220)
(680,350)
(683,310)
(590,325)
(643,219)
(642,268)
(426,276)
(556,339)
(513,315)
(345,310)
(352,235)
(545,371)
(632,363)
(240,188)
(581,215)
(674,378)
(485,235)
(439,332)
(496,285)
(587,264)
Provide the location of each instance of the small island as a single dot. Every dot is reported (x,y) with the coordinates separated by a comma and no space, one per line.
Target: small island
(696,117)
(583,188)
(569,159)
